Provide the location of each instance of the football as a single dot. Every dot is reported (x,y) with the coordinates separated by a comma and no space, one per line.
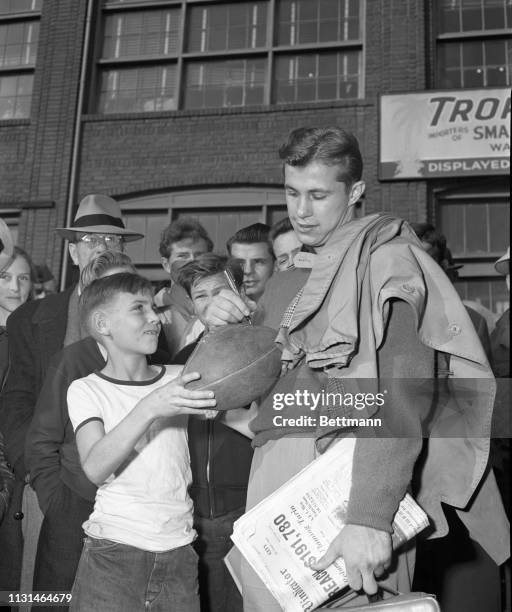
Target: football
(239,363)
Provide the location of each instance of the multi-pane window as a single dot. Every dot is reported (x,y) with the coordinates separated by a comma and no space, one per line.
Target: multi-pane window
(233,82)
(476,229)
(221,27)
(477,233)
(19,34)
(210,54)
(317,21)
(311,77)
(138,89)
(473,43)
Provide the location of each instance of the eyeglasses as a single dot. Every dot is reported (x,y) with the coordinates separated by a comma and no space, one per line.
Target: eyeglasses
(111,241)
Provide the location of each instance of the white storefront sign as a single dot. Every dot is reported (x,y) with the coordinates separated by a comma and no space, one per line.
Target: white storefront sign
(444,133)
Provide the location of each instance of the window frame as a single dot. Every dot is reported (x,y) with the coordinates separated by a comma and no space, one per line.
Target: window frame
(461,36)
(183,58)
(21,69)
(477,267)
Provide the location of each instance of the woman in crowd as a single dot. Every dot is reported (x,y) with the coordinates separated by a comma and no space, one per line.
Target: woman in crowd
(16,278)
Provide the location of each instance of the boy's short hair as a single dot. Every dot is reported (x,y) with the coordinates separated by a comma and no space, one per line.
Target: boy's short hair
(183,228)
(102,291)
(332,146)
(102,263)
(207,265)
(252,234)
(281,227)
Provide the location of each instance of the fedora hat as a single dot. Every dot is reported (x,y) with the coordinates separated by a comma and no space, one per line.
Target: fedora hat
(6,246)
(98,214)
(502,266)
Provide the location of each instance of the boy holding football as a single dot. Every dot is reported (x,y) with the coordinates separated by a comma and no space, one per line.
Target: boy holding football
(130,423)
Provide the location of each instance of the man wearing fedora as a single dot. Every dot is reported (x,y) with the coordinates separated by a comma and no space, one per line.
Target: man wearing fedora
(37,331)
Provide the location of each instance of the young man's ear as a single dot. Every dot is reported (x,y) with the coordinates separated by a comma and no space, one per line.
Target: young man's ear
(356,192)
(100,323)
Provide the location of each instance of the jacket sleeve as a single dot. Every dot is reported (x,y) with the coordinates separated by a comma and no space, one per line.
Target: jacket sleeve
(384,460)
(19,393)
(46,435)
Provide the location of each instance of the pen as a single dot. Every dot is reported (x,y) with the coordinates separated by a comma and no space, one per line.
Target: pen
(233,287)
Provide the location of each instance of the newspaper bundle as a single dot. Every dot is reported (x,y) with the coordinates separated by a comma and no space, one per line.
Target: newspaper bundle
(294,526)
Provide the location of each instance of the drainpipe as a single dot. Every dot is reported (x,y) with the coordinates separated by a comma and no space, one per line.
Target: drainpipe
(77,138)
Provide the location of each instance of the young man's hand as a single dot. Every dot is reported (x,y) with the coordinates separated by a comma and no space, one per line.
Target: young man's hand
(174,398)
(227,307)
(366,552)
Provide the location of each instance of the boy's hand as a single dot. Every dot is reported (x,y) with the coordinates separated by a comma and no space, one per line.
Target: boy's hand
(173,399)
(227,307)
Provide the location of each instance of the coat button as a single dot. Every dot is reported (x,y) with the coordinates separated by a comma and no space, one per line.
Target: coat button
(18,516)
(454,329)
(408,288)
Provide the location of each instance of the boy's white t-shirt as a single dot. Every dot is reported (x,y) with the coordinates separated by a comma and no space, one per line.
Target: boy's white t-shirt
(145,503)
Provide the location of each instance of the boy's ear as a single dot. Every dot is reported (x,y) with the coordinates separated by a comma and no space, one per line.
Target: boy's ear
(165,264)
(100,322)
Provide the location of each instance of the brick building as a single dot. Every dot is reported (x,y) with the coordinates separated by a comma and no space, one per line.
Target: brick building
(178,107)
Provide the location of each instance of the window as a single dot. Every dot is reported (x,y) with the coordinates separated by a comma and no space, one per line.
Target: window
(473,43)
(19,34)
(316,76)
(213,54)
(227,26)
(476,226)
(221,212)
(237,82)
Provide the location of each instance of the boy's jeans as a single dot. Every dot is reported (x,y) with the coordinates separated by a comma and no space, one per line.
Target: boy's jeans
(115,577)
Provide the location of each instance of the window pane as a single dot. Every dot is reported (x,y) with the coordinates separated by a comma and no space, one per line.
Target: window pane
(471,15)
(221,27)
(18,43)
(225,83)
(496,60)
(15,96)
(499,224)
(491,293)
(316,76)
(474,64)
(476,226)
(449,16)
(452,224)
(472,54)
(141,33)
(304,21)
(20,6)
(138,89)
(494,14)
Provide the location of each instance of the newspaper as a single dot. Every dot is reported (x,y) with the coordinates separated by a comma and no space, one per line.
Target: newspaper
(294,526)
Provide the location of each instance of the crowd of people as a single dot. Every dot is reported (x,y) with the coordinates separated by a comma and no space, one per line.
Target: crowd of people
(121,485)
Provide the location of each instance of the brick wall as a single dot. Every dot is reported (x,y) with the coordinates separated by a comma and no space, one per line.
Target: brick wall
(38,151)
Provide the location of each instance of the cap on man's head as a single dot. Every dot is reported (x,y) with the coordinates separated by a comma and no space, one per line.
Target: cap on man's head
(6,246)
(98,214)
(503,264)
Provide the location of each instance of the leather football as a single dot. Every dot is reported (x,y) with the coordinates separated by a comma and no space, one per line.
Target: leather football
(239,363)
